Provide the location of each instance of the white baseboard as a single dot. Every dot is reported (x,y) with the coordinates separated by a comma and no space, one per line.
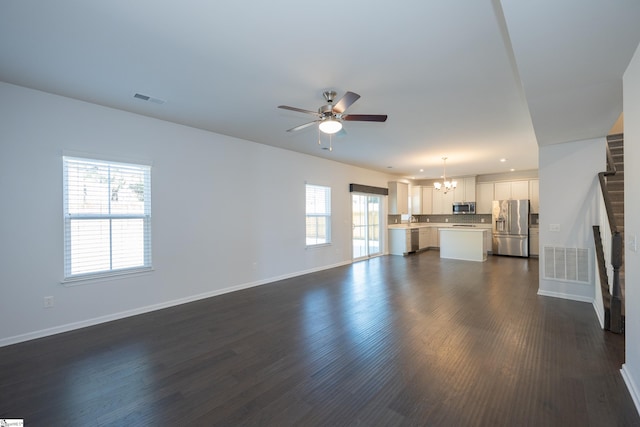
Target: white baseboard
(561,295)
(146,309)
(598,314)
(631,386)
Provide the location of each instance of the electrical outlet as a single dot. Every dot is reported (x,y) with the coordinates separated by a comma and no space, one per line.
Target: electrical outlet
(446,220)
(48,302)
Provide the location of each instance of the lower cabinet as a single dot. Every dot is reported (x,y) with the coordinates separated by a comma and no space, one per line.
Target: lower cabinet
(534,242)
(423,241)
(433,239)
(399,241)
(429,237)
(488,240)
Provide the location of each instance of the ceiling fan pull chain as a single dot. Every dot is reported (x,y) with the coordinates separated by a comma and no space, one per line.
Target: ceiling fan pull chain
(330,142)
(319,141)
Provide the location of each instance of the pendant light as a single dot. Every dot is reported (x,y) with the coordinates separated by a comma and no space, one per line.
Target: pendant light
(445,185)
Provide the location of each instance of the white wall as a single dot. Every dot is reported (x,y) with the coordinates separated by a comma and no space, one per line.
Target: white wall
(631,368)
(568,197)
(227,213)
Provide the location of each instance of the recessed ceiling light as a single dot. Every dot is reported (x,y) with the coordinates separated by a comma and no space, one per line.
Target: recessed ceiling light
(421,170)
(512,170)
(503,160)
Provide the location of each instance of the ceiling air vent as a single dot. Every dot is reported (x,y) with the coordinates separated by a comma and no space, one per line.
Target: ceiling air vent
(148,98)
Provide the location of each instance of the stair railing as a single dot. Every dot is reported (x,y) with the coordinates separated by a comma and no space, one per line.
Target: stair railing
(612,253)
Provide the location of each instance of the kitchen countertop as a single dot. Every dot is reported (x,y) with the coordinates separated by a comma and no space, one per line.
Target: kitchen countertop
(470,229)
(406,226)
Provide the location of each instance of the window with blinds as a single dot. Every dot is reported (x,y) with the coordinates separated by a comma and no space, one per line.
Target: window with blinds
(107,218)
(318,215)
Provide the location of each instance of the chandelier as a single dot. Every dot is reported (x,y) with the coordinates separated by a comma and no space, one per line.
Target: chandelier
(445,185)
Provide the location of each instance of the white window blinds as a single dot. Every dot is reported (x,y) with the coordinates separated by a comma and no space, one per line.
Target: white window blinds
(318,215)
(107,217)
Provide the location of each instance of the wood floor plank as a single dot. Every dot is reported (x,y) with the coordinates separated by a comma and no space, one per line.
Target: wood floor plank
(393,340)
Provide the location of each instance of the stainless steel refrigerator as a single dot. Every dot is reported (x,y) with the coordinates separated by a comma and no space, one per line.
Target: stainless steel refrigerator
(511,227)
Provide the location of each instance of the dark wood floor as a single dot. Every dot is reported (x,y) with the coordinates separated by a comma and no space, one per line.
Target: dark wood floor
(389,341)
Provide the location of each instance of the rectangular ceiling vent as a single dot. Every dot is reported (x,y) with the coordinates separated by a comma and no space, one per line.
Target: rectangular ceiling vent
(148,98)
(566,264)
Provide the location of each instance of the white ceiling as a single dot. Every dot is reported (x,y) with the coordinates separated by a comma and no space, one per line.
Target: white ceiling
(474,80)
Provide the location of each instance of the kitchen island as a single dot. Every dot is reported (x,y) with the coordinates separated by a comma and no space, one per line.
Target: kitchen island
(463,243)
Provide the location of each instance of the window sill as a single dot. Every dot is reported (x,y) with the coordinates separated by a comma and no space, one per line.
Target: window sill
(102,277)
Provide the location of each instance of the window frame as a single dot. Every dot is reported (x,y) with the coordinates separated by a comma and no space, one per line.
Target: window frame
(111,217)
(326,214)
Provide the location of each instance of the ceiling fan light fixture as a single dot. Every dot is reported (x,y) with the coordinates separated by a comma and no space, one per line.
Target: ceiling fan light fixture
(330,126)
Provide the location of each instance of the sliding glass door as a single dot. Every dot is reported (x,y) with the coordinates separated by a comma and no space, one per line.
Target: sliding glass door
(366,213)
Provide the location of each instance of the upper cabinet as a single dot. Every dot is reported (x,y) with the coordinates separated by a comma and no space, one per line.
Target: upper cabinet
(458,193)
(442,203)
(398,197)
(427,200)
(520,190)
(511,190)
(466,190)
(416,200)
(534,190)
(421,200)
(469,189)
(487,192)
(484,197)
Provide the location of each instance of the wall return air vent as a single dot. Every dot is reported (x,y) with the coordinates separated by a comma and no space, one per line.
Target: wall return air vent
(566,264)
(148,98)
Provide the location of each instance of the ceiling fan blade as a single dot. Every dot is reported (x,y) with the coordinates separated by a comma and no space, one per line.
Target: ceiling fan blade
(300,110)
(345,102)
(302,126)
(365,117)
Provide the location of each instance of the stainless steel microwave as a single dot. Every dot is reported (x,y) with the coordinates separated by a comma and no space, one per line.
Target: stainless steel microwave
(464,208)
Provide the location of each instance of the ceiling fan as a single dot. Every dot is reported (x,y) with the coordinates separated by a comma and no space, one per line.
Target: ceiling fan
(329,117)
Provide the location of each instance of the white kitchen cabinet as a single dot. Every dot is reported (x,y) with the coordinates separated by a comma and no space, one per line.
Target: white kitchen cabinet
(534,196)
(466,190)
(511,190)
(502,190)
(484,197)
(470,189)
(520,190)
(433,236)
(534,242)
(458,193)
(427,200)
(437,202)
(398,198)
(488,240)
(399,241)
(423,238)
(416,200)
(442,203)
